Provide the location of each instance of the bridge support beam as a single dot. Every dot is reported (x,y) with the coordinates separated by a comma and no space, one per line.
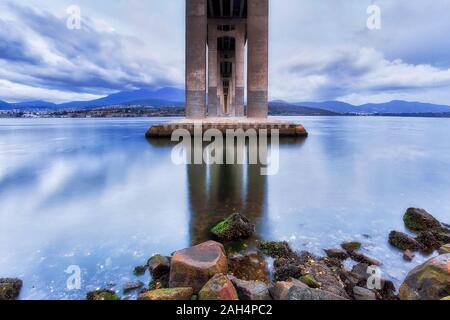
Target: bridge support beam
(196,35)
(258,58)
(213,76)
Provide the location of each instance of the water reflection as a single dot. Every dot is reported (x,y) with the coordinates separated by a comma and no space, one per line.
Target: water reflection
(217,190)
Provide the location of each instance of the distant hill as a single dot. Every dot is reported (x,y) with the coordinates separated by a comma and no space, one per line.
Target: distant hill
(282,108)
(126,97)
(393,107)
(334,106)
(397,106)
(173,97)
(38,104)
(4,105)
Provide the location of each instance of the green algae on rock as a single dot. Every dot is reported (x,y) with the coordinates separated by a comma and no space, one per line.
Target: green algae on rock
(420,220)
(102,295)
(235,227)
(167,294)
(351,246)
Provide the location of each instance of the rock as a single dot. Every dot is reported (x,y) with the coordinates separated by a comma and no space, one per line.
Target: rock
(362,258)
(251,290)
(387,291)
(446,298)
(433,239)
(280,290)
(167,294)
(193,267)
(351,246)
(408,255)
(218,288)
(361,270)
(326,276)
(310,281)
(350,280)
(429,241)
(420,220)
(10,288)
(309,294)
(337,254)
(161,283)
(102,295)
(403,241)
(320,269)
(296,290)
(131,286)
(444,249)
(286,269)
(276,249)
(364,294)
(158,266)
(248,266)
(235,227)
(139,270)
(429,281)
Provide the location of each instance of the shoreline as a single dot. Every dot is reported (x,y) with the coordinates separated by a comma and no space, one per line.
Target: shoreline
(242,272)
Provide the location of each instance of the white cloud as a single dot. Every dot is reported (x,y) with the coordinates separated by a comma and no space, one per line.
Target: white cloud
(356,75)
(319,50)
(39,54)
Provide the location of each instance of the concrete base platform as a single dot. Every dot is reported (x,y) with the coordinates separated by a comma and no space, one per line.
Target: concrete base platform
(285,129)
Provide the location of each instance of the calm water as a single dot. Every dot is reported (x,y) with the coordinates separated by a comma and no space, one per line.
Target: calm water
(96,194)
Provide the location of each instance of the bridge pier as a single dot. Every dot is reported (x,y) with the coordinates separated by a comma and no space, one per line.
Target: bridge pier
(217,32)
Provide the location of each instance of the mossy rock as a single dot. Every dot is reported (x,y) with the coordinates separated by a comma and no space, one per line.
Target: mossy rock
(276,249)
(10,288)
(160,283)
(235,227)
(102,295)
(310,281)
(429,281)
(159,266)
(139,270)
(404,242)
(420,220)
(235,247)
(351,246)
(168,294)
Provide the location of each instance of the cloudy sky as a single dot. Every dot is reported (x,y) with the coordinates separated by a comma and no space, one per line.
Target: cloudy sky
(319,49)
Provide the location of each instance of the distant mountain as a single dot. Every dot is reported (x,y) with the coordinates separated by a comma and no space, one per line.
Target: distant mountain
(282,108)
(393,107)
(4,105)
(125,97)
(38,104)
(334,106)
(398,106)
(173,97)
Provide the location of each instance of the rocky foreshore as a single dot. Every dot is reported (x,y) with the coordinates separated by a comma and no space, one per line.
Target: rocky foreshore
(215,270)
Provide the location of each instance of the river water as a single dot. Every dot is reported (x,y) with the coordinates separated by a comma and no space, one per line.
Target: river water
(94,193)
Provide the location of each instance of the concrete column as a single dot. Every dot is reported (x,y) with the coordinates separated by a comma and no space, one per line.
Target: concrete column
(240,71)
(196,34)
(233,90)
(258,58)
(213,76)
